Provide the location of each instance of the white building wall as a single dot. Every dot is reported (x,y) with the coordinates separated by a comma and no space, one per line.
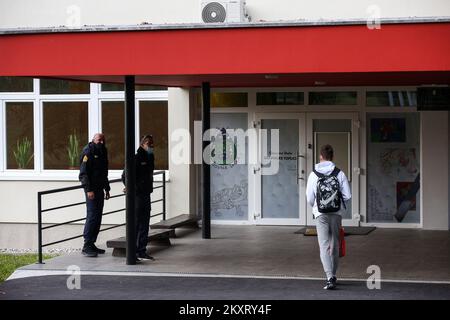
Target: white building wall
(44,13)
(19,202)
(179,123)
(435,170)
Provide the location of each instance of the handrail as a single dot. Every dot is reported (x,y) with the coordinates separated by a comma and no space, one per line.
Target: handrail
(58,190)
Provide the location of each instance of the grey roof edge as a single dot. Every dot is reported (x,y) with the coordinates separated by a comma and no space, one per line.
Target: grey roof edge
(257,24)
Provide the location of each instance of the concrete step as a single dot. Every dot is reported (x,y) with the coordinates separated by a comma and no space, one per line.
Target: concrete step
(159,236)
(183,220)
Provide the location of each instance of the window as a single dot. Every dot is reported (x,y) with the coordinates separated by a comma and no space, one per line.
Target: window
(153,119)
(229,176)
(333,98)
(279,98)
(113,127)
(52,86)
(229,100)
(391,99)
(120,87)
(393,164)
(16,84)
(19,135)
(65,131)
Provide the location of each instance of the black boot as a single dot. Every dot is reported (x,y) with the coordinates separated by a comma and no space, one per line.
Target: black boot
(98,250)
(89,250)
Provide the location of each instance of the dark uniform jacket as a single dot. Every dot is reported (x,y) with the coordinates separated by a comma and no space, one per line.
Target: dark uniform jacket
(94,168)
(145,164)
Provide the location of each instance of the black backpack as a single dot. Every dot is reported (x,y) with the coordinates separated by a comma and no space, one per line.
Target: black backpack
(328,195)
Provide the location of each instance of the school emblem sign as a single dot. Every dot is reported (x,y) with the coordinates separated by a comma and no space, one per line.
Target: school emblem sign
(224,151)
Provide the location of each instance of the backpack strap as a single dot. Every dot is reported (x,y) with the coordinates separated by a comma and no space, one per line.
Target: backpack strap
(335,172)
(318,174)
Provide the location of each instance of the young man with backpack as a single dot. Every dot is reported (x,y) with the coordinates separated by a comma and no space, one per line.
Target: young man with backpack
(327,191)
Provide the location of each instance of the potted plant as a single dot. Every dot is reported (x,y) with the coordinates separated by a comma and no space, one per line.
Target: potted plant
(73,151)
(22,153)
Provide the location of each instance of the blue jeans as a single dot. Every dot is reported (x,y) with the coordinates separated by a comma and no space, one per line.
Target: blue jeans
(93,216)
(143,207)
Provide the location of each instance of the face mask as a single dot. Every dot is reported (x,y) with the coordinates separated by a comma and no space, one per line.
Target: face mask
(150,150)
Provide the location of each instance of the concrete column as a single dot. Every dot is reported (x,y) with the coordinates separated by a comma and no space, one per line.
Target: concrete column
(179,191)
(435,169)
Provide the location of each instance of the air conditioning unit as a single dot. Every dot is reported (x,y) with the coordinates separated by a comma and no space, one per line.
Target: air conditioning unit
(226,11)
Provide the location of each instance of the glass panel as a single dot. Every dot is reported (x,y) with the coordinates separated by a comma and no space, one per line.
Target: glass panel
(120,87)
(229,100)
(65,134)
(279,98)
(391,99)
(332,98)
(337,133)
(19,135)
(280,193)
(113,127)
(153,120)
(393,164)
(229,179)
(16,84)
(54,86)
(112,87)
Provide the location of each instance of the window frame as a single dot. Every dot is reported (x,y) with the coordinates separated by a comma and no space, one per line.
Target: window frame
(93,100)
(404,107)
(26,93)
(3,136)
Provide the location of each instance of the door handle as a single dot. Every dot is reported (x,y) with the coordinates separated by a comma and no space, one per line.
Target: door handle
(303,171)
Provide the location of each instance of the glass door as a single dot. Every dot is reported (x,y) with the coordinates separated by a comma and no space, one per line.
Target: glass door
(281,170)
(341,132)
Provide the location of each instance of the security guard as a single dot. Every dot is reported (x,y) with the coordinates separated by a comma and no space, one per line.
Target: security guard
(145,164)
(94,178)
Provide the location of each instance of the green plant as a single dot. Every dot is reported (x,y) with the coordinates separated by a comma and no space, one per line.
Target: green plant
(73,150)
(10,262)
(22,153)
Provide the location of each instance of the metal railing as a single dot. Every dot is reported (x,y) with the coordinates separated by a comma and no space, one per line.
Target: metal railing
(41,211)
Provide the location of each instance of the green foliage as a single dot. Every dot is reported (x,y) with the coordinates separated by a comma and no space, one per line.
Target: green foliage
(10,262)
(73,150)
(22,153)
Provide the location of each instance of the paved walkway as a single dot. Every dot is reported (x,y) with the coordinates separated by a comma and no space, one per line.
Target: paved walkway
(269,251)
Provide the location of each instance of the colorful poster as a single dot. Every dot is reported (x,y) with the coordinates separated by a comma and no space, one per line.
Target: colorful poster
(403,188)
(393,168)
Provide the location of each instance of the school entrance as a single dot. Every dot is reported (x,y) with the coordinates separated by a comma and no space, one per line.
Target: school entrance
(280,197)
(285,128)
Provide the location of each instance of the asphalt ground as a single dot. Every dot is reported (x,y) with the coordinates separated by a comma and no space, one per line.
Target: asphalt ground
(107,287)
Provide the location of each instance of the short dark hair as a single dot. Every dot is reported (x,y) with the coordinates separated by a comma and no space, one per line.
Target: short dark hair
(327,153)
(146,137)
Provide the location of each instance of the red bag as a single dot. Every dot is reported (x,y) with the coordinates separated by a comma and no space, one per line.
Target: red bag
(341,242)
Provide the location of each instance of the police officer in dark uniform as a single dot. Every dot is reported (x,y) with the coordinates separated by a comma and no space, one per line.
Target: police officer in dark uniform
(94,178)
(145,164)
